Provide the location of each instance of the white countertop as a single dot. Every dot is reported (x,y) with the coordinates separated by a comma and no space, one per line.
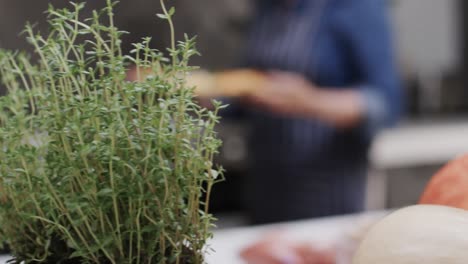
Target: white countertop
(422,143)
(228,243)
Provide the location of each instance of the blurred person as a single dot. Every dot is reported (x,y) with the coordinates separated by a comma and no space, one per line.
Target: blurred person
(332,85)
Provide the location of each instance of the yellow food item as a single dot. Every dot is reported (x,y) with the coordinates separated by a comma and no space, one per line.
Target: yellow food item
(232,83)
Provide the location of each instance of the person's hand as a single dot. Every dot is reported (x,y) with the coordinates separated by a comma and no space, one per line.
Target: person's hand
(284,93)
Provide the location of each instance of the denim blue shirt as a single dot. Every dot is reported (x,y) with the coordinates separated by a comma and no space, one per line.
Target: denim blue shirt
(336,44)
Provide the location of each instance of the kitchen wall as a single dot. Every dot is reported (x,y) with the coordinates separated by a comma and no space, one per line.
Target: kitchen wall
(219,24)
(429,37)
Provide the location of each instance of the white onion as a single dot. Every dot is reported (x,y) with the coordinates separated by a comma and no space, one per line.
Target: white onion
(421,234)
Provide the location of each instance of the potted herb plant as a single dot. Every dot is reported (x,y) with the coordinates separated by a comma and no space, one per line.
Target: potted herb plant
(95,168)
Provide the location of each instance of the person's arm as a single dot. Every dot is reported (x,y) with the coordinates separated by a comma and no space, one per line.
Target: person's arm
(343,108)
(369,39)
(290,94)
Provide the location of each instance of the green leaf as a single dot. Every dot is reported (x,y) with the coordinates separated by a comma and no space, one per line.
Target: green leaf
(171,11)
(162,16)
(105,192)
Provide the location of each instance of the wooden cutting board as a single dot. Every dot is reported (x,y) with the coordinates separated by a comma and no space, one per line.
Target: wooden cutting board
(232,83)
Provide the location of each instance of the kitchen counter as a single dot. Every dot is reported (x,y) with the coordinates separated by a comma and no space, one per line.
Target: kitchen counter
(420,143)
(227,243)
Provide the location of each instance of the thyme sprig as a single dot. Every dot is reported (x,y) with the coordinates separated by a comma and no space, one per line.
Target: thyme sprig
(96,168)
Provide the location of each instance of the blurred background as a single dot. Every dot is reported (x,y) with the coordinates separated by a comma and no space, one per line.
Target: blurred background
(431,37)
